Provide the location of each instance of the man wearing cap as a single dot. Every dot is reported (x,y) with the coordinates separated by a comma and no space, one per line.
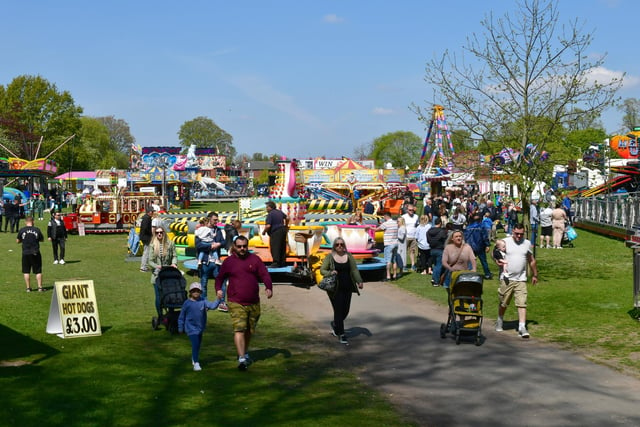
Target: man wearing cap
(145,237)
(244,271)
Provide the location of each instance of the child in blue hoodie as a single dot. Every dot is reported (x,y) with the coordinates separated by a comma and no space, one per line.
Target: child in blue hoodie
(193,320)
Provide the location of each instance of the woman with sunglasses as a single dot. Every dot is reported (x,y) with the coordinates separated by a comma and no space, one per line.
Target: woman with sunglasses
(163,253)
(342,264)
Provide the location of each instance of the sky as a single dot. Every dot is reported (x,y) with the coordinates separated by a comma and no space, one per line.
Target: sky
(299,78)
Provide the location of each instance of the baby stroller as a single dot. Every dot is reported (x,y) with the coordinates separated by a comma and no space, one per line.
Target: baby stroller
(170,288)
(465,306)
(568,236)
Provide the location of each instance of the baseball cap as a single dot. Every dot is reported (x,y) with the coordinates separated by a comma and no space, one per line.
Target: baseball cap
(195,285)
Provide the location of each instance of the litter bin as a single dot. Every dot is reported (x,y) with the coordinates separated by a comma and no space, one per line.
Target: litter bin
(635,247)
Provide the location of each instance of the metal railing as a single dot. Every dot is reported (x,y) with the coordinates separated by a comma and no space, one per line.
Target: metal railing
(616,210)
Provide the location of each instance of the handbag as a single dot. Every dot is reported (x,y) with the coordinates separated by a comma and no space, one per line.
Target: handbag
(329,283)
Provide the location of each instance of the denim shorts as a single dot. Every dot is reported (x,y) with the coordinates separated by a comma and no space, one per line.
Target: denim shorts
(390,253)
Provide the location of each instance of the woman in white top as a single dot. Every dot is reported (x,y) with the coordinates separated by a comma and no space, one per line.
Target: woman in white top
(402,243)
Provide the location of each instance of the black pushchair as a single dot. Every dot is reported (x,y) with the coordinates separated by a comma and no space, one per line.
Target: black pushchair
(465,306)
(171,293)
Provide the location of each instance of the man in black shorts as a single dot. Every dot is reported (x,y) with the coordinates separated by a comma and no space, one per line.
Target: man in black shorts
(30,237)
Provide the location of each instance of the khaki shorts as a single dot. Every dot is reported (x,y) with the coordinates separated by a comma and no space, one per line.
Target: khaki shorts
(412,246)
(244,317)
(512,289)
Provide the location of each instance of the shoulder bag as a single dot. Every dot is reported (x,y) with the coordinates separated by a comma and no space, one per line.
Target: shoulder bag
(329,283)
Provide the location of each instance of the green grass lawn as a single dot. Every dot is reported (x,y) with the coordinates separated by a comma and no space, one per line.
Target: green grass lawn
(134,376)
(583,301)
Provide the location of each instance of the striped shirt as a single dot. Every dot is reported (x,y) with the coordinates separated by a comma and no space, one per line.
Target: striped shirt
(390,228)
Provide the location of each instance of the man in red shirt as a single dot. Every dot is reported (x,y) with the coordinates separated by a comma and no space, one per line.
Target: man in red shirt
(245,271)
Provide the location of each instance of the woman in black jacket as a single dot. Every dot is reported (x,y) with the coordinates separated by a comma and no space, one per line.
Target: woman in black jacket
(437,238)
(342,264)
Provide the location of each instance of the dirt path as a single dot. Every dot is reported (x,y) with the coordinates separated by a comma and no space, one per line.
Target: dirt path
(396,347)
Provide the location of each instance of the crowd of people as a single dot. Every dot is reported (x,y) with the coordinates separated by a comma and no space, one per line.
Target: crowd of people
(444,234)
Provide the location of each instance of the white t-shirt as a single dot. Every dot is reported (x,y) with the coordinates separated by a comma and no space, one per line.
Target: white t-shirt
(545,217)
(411,222)
(516,268)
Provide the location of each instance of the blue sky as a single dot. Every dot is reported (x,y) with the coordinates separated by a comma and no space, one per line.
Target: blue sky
(299,78)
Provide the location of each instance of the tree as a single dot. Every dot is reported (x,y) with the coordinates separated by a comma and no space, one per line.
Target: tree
(204,133)
(631,117)
(119,133)
(363,151)
(401,149)
(529,77)
(31,108)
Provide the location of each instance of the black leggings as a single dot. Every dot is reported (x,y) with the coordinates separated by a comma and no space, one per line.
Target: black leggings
(341,303)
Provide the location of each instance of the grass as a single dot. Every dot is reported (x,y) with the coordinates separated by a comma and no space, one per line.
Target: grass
(583,301)
(134,376)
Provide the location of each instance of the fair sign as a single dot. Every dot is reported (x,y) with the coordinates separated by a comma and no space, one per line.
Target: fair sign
(74,310)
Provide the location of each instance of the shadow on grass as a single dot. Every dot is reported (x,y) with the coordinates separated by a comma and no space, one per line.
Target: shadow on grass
(19,350)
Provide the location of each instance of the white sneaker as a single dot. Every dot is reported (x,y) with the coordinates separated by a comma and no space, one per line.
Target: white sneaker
(499,325)
(62,261)
(523,332)
(55,262)
(196,367)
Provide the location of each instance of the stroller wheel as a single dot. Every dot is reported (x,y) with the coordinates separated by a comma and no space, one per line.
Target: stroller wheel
(458,338)
(443,330)
(478,341)
(154,323)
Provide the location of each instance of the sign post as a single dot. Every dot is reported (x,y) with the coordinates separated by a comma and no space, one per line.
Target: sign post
(74,310)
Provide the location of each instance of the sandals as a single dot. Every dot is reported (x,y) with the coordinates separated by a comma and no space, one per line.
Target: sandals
(41,289)
(28,289)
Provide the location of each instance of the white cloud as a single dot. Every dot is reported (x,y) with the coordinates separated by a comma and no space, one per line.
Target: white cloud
(381,111)
(262,92)
(332,19)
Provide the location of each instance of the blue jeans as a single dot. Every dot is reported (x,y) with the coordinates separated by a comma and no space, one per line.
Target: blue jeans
(482,256)
(209,271)
(196,341)
(534,233)
(436,261)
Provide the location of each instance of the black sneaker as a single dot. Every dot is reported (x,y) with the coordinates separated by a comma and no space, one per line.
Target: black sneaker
(333,330)
(343,339)
(242,364)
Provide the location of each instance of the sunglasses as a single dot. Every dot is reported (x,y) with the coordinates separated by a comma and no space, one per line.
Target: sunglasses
(339,244)
(242,246)
(159,232)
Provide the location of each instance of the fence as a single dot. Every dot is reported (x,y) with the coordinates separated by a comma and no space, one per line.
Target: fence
(621,211)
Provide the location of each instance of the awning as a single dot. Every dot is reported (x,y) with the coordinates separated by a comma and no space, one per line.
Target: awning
(78,176)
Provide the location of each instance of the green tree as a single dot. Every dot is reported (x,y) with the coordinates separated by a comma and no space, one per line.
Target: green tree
(92,149)
(119,133)
(204,133)
(630,108)
(31,108)
(529,72)
(401,149)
